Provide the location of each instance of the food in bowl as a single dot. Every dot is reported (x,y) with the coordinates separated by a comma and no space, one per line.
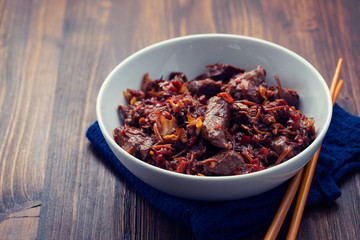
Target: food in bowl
(190,54)
(226,121)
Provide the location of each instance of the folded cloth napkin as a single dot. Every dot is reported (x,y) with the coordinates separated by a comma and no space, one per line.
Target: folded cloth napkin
(235,219)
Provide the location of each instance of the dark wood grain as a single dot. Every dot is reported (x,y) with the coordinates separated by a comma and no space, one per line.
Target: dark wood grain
(54,56)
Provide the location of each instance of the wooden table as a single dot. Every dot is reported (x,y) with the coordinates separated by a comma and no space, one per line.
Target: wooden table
(54,56)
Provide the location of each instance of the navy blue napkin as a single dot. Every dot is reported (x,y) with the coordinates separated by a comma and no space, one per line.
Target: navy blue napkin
(235,219)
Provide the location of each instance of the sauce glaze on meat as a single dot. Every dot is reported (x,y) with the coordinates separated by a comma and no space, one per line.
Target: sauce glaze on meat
(224,122)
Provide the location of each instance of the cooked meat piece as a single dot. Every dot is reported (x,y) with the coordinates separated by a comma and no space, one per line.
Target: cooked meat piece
(207,87)
(133,140)
(125,111)
(217,120)
(290,96)
(281,144)
(224,163)
(246,85)
(146,81)
(220,71)
(179,76)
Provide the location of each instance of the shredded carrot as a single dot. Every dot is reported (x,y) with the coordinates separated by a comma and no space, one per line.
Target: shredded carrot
(283,154)
(181,167)
(198,123)
(247,156)
(226,96)
(133,100)
(141,120)
(130,150)
(127,96)
(268,110)
(257,130)
(172,137)
(262,91)
(183,88)
(247,102)
(258,113)
(162,146)
(190,118)
(279,84)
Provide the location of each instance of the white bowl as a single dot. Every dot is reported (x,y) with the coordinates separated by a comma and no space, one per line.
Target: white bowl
(190,55)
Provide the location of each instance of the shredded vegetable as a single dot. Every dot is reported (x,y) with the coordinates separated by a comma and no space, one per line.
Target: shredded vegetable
(226,121)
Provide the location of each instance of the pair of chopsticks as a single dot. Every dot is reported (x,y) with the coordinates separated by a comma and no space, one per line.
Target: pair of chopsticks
(306,175)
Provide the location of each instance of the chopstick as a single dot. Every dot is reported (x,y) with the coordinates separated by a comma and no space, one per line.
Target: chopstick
(335,78)
(295,182)
(310,168)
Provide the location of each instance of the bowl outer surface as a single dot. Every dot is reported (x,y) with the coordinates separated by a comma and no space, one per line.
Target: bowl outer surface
(190,55)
